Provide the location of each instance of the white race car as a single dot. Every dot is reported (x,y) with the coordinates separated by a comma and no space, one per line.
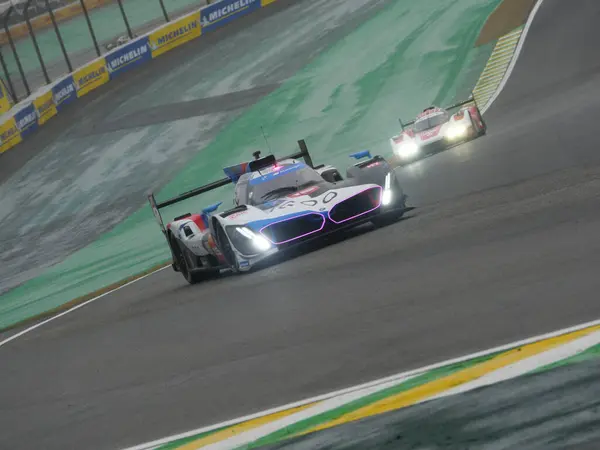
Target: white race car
(436,129)
(278,205)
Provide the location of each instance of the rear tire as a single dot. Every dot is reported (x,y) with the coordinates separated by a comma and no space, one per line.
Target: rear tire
(184,268)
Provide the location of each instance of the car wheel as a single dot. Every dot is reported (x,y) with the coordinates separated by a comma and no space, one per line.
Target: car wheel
(184,268)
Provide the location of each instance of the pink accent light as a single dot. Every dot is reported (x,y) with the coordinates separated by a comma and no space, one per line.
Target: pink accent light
(362,213)
(292,218)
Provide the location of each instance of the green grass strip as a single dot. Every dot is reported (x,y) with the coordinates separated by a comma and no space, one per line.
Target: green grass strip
(334,414)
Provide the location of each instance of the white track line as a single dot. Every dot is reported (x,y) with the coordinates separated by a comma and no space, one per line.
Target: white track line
(74,308)
(505,373)
(393,378)
(516,55)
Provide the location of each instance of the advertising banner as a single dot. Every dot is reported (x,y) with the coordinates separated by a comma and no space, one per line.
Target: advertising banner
(218,14)
(5,102)
(64,93)
(128,56)
(175,34)
(91,77)
(27,120)
(9,135)
(45,107)
(264,3)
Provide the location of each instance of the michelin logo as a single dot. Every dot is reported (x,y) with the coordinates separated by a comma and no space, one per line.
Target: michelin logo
(174,35)
(90,77)
(126,58)
(44,108)
(27,121)
(226,11)
(64,93)
(8,135)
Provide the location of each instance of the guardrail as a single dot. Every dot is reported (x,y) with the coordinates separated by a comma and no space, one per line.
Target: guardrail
(25,117)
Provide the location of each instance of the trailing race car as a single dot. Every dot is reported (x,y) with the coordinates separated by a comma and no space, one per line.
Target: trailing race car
(435,129)
(278,205)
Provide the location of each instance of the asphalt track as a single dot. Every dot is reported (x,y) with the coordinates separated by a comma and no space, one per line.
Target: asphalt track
(503,246)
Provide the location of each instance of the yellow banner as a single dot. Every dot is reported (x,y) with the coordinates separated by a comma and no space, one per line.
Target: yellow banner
(175,34)
(5,102)
(9,135)
(45,107)
(90,77)
(264,3)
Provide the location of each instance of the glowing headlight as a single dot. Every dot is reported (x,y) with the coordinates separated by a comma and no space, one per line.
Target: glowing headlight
(456,131)
(407,149)
(258,241)
(386,196)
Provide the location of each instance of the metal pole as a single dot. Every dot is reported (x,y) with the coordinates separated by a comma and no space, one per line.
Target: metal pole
(11,88)
(35,44)
(125,19)
(164,10)
(14,50)
(58,36)
(89,24)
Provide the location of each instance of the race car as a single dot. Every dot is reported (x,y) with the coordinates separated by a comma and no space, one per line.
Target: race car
(436,129)
(279,204)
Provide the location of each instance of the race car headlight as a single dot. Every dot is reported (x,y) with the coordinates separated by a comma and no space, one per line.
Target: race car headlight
(386,196)
(259,242)
(246,241)
(407,149)
(456,131)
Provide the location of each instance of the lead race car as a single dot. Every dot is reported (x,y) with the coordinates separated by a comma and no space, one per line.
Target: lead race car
(436,129)
(277,206)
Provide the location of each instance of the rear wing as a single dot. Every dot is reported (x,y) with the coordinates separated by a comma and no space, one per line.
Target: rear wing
(470,100)
(156,206)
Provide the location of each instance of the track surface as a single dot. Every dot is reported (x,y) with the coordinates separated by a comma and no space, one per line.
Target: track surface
(504,246)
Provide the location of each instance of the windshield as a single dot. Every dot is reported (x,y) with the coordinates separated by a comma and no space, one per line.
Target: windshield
(279,183)
(430,122)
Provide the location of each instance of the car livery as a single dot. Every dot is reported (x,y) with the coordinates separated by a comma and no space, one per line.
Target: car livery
(436,129)
(278,205)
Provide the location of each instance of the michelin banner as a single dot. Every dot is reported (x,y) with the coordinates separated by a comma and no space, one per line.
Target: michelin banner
(175,34)
(64,93)
(45,107)
(128,57)
(9,135)
(90,77)
(27,120)
(218,14)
